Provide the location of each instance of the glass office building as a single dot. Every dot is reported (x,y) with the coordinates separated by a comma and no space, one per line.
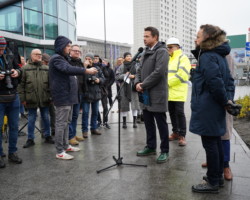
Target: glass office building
(36,23)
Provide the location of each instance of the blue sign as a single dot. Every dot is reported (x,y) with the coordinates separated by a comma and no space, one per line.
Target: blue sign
(247,45)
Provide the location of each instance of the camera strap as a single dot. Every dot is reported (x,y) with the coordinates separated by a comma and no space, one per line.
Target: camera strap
(1,63)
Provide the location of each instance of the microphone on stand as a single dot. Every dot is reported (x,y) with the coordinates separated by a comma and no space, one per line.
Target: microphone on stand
(140,50)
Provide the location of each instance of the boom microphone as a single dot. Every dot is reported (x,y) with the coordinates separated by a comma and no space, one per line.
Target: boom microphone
(140,50)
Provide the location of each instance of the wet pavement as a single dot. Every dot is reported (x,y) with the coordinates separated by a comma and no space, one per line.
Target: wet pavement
(42,176)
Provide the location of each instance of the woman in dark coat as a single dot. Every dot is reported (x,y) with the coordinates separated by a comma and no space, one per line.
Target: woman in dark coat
(212,90)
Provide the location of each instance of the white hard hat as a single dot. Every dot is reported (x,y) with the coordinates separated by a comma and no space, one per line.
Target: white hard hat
(173,41)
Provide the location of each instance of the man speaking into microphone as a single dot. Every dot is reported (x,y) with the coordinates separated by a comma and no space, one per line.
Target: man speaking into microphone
(151,82)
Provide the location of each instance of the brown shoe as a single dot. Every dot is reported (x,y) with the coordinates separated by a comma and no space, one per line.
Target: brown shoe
(79,138)
(228,174)
(182,141)
(173,136)
(85,134)
(73,141)
(204,165)
(95,132)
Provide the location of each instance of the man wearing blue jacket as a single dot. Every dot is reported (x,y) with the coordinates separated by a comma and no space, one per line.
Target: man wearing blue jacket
(64,92)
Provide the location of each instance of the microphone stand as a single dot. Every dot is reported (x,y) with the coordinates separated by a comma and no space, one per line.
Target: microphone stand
(118,161)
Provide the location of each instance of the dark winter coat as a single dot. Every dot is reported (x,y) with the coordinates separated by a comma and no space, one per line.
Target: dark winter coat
(34,86)
(12,64)
(63,83)
(153,76)
(92,91)
(80,78)
(212,87)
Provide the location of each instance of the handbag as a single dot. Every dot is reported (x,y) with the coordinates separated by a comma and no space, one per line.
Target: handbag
(7,98)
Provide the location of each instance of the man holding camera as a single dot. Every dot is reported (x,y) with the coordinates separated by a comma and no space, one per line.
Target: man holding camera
(91,96)
(9,100)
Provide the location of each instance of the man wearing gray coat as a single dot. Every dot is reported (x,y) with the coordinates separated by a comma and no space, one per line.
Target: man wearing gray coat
(151,79)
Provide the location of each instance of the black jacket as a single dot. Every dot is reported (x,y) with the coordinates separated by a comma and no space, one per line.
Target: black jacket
(63,83)
(92,91)
(7,62)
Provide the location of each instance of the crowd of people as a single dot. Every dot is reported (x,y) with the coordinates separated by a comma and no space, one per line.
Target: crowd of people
(157,83)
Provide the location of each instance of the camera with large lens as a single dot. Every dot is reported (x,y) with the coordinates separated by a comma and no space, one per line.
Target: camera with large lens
(92,79)
(233,108)
(7,74)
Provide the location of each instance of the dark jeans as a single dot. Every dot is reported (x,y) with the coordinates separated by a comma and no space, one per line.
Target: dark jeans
(32,112)
(177,116)
(214,154)
(226,151)
(52,119)
(11,110)
(104,101)
(73,124)
(161,120)
(85,115)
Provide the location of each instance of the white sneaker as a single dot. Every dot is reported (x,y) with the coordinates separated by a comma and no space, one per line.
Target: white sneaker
(64,156)
(72,149)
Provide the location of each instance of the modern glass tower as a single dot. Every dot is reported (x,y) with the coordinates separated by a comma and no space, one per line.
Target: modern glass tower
(173,18)
(36,23)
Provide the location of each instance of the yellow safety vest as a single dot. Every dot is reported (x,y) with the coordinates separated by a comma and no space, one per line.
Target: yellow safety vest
(178,75)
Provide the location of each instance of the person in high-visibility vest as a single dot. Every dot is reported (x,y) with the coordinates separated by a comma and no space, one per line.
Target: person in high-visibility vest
(178,75)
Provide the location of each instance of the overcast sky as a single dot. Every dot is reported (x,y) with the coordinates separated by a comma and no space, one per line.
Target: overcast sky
(231,15)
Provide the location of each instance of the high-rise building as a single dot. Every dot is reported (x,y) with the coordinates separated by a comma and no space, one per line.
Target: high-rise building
(173,18)
(36,23)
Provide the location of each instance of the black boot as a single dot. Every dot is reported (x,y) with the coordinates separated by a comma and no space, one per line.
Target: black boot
(142,119)
(138,120)
(124,125)
(134,122)
(29,143)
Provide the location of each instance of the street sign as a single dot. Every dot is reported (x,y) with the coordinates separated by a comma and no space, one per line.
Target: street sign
(247,45)
(248,49)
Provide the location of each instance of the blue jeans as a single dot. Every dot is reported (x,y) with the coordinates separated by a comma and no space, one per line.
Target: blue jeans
(85,115)
(73,124)
(12,111)
(32,120)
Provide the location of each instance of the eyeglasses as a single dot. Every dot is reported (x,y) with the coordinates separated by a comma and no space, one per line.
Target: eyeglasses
(37,54)
(76,51)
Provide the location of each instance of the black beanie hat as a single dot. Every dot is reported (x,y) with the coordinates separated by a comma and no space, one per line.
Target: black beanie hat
(126,54)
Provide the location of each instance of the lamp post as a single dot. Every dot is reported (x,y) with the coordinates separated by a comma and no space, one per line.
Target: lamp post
(105,42)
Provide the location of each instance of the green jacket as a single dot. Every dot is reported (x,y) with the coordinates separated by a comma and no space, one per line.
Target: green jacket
(34,86)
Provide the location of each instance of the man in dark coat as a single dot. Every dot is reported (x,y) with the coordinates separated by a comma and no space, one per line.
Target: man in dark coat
(91,96)
(64,91)
(212,90)
(151,79)
(10,106)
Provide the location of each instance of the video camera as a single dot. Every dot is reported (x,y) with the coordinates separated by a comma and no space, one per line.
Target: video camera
(233,108)
(7,74)
(92,79)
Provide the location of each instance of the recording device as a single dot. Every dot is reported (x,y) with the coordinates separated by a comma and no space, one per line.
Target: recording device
(233,108)
(7,74)
(92,79)
(140,50)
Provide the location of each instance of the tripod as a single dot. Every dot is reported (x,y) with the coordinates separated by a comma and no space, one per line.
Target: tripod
(118,161)
(20,130)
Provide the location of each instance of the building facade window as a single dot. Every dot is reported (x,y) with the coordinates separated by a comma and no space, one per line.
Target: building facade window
(10,19)
(33,24)
(50,7)
(33,4)
(63,28)
(51,27)
(63,11)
